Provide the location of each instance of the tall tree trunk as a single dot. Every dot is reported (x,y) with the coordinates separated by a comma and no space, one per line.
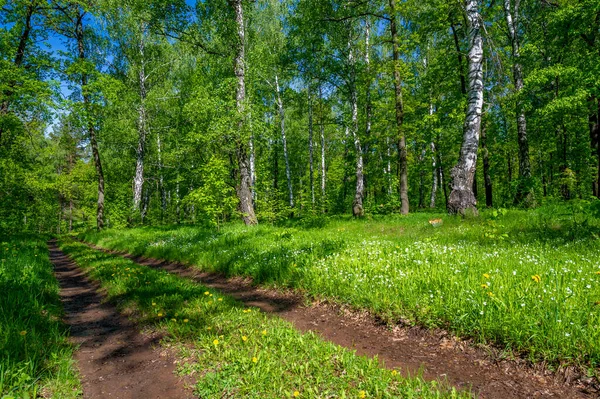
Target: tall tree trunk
(138,180)
(422,178)
(368,103)
(594,120)
(434,177)
(161,180)
(402,154)
(525,194)
(244,192)
(311,148)
(461,69)
(487,179)
(461,197)
(90,124)
(252,168)
(323,192)
(286,157)
(357,204)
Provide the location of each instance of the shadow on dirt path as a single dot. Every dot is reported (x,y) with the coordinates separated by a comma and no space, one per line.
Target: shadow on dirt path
(114,359)
(411,349)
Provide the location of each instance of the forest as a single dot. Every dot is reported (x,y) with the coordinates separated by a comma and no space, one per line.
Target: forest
(119,114)
(231,173)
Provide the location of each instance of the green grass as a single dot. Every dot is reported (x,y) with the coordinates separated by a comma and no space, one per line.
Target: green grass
(35,357)
(240,352)
(527,281)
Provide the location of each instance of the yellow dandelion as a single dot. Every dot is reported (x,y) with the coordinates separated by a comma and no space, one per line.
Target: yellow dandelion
(220,299)
(216,342)
(362,394)
(484,286)
(597,272)
(394,372)
(153,303)
(23,333)
(264,332)
(296,394)
(486,275)
(209,328)
(185,320)
(254,359)
(244,338)
(160,315)
(206,293)
(174,320)
(490,293)
(536,278)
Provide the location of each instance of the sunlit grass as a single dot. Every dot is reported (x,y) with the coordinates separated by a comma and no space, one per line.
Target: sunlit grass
(528,281)
(240,352)
(35,357)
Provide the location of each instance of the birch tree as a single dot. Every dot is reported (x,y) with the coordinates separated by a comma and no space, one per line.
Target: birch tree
(462,200)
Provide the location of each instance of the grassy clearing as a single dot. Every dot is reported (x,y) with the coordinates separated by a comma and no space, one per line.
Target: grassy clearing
(527,281)
(35,357)
(238,351)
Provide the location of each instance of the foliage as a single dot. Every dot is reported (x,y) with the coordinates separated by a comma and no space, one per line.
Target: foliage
(35,357)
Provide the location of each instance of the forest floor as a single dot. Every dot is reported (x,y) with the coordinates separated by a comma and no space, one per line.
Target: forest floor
(436,354)
(114,359)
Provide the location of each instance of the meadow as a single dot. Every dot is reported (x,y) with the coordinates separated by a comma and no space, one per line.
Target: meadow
(239,351)
(35,357)
(527,282)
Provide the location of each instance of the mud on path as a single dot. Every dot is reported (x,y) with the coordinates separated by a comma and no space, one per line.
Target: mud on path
(114,359)
(411,349)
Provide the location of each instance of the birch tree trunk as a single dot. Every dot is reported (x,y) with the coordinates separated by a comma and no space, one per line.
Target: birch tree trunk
(524,194)
(161,180)
(323,178)
(138,180)
(461,199)
(79,34)
(357,204)
(402,154)
(244,192)
(434,177)
(311,148)
(288,172)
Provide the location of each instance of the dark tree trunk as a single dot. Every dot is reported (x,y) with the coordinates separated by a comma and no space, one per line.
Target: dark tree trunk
(487,179)
(90,124)
(401,138)
(594,120)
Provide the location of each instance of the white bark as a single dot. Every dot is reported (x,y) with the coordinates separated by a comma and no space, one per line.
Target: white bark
(462,197)
(435,173)
(244,191)
(138,180)
(357,205)
(323,179)
(311,147)
(288,172)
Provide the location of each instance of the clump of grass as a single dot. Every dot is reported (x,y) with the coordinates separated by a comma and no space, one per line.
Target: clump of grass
(35,357)
(241,352)
(528,281)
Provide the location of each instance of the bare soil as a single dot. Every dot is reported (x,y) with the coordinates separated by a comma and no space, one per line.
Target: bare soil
(114,359)
(412,350)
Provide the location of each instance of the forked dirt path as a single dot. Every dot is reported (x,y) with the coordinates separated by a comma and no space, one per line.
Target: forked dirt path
(114,359)
(408,348)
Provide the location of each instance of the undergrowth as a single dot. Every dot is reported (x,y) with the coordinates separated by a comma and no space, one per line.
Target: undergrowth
(35,357)
(527,281)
